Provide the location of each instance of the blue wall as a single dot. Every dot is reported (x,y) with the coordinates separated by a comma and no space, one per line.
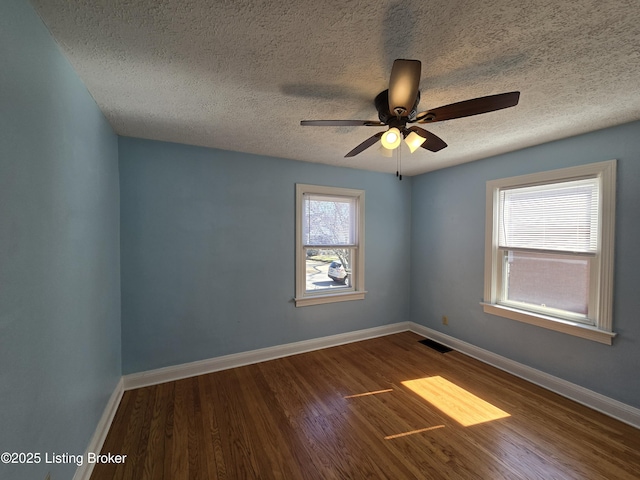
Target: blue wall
(59,250)
(447,252)
(207,242)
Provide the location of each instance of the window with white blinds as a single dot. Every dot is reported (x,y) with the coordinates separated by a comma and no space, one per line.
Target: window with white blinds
(549,249)
(329,245)
(559,216)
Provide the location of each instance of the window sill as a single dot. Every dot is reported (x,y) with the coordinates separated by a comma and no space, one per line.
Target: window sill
(564,326)
(334,297)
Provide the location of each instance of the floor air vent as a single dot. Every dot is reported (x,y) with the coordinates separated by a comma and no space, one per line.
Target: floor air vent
(435,345)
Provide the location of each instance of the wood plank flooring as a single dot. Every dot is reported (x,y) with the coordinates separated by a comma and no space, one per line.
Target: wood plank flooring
(345,413)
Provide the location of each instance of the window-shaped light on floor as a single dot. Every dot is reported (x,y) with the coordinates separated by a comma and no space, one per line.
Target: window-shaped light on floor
(454,401)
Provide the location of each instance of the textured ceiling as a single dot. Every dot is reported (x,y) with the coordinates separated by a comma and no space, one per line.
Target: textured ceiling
(240,75)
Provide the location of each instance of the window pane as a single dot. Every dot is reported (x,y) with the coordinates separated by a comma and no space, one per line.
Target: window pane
(328,220)
(328,269)
(548,280)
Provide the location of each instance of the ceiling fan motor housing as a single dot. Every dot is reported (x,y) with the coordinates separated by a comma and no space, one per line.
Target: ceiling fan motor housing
(382,106)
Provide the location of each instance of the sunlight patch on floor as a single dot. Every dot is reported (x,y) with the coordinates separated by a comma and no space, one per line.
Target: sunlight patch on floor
(412,432)
(369,393)
(456,402)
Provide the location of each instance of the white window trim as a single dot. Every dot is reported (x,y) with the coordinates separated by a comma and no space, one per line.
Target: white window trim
(603,331)
(357,292)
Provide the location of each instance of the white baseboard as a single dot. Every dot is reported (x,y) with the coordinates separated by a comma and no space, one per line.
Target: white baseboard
(613,408)
(589,398)
(83,472)
(186,370)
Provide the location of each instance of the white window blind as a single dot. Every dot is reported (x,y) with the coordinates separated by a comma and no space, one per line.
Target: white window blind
(559,216)
(328,220)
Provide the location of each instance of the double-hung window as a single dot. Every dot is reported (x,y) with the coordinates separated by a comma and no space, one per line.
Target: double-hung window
(549,249)
(329,244)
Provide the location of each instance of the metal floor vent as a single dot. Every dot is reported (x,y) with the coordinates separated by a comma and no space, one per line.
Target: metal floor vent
(435,345)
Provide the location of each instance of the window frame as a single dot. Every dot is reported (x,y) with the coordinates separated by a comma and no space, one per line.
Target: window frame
(602,263)
(357,291)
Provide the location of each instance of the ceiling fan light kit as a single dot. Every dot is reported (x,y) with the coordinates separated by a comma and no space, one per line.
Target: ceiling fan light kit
(397,106)
(414,141)
(385,152)
(391,138)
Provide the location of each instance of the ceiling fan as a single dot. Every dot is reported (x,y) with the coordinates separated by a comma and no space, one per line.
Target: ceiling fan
(398,105)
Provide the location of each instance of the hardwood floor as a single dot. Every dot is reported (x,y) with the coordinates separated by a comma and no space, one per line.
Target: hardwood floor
(364,410)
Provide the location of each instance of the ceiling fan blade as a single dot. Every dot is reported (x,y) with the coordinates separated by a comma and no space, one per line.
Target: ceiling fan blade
(432,143)
(403,86)
(364,145)
(341,123)
(468,108)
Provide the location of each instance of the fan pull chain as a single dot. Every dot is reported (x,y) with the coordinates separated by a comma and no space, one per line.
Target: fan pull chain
(399,163)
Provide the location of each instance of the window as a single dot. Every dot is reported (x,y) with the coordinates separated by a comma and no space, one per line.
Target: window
(549,249)
(329,245)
